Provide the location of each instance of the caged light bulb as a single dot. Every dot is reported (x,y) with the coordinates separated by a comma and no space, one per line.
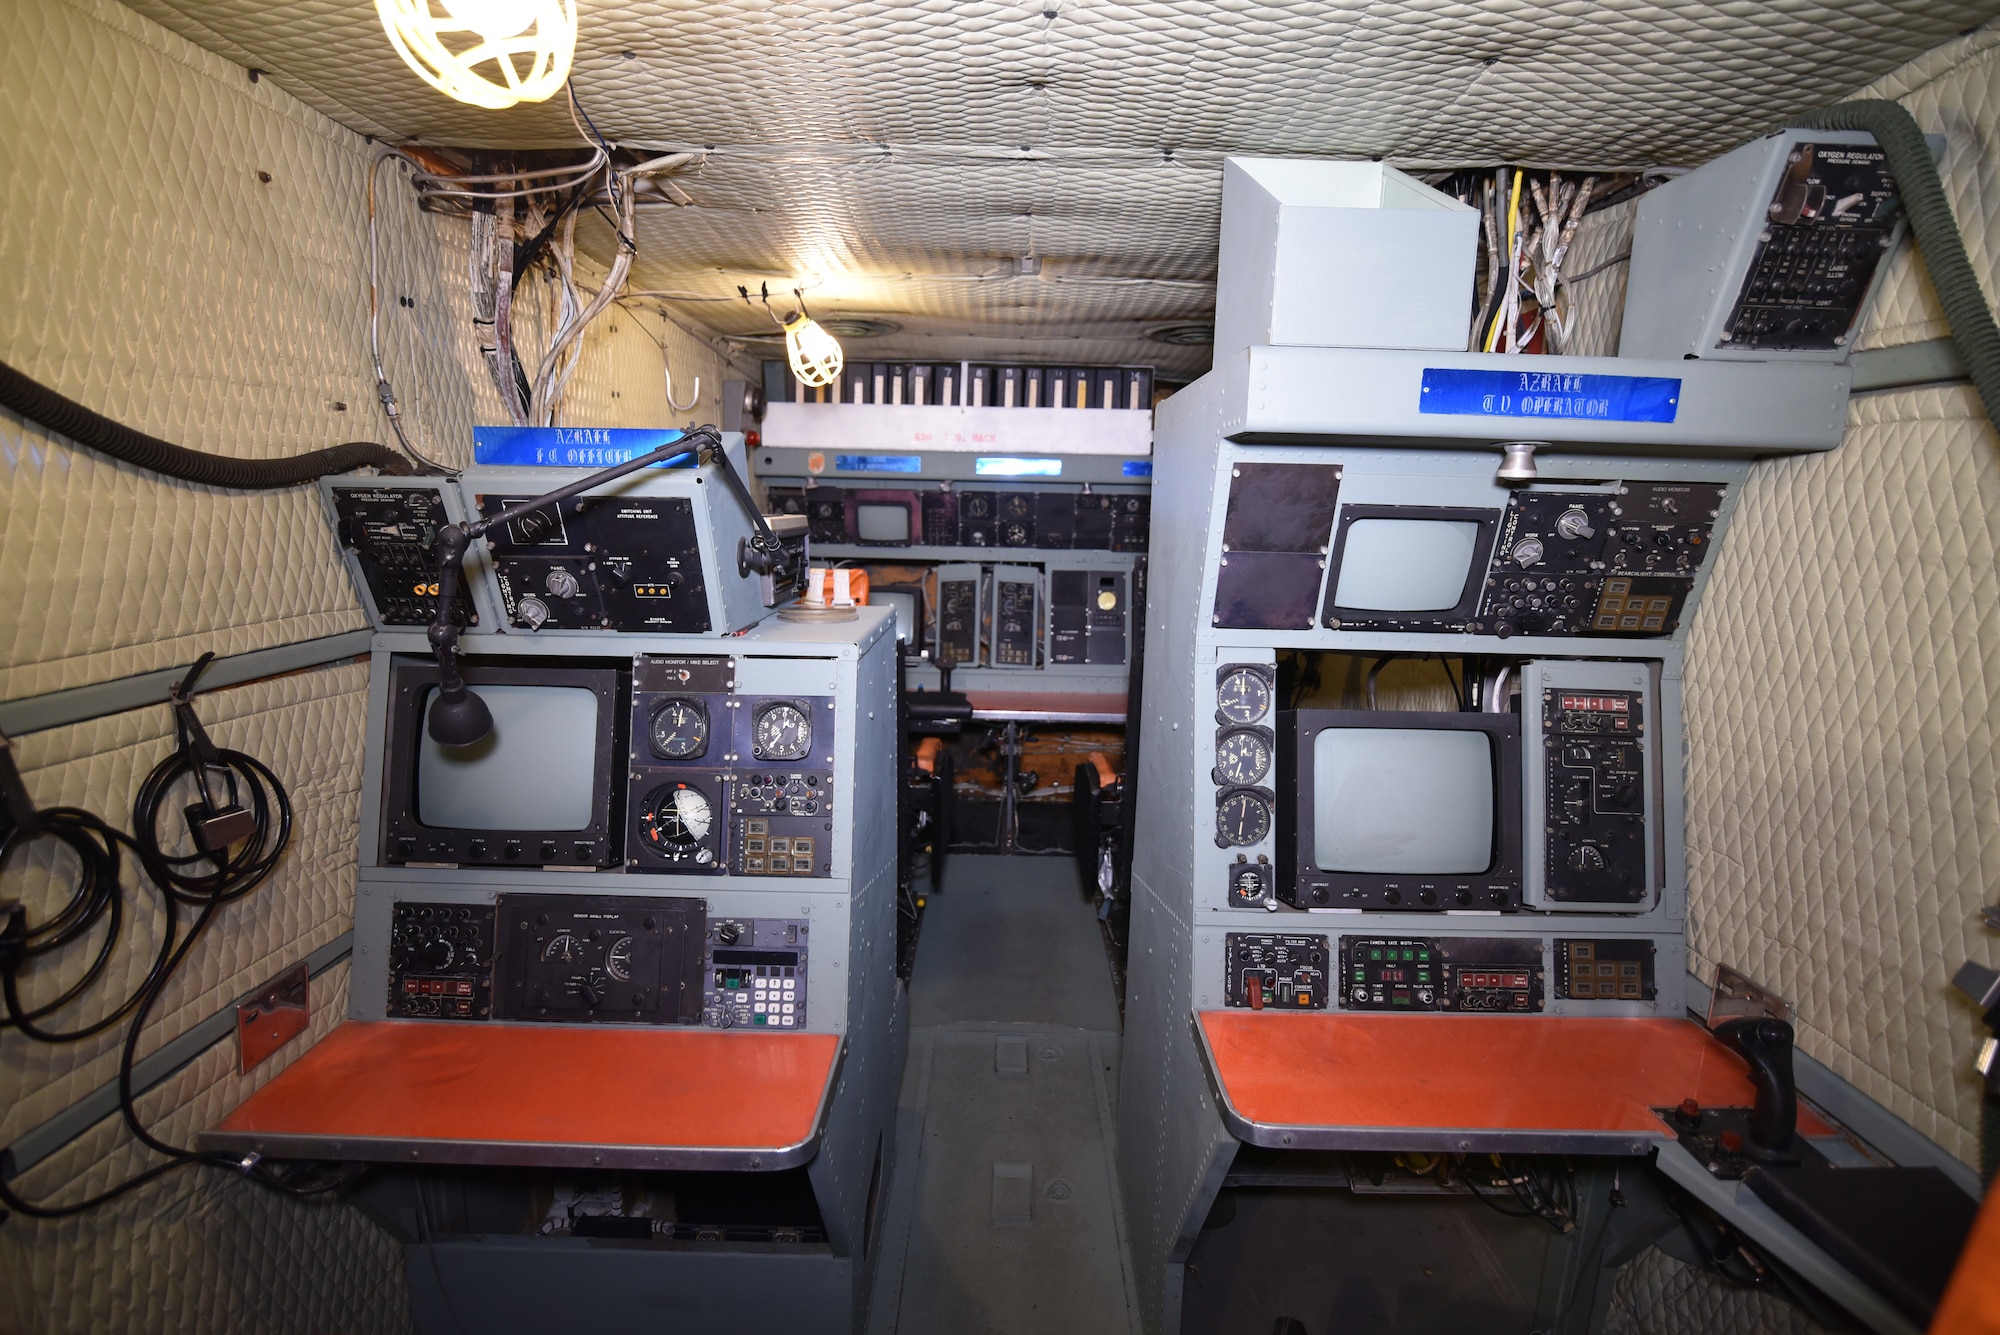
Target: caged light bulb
(493,39)
(815,354)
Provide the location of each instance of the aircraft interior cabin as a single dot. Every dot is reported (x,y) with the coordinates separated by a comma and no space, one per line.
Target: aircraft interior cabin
(1026,666)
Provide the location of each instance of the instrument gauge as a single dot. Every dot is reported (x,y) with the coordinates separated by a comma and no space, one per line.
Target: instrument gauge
(1013,505)
(680,730)
(618,959)
(1242,757)
(782,731)
(563,948)
(1244,696)
(1242,819)
(676,819)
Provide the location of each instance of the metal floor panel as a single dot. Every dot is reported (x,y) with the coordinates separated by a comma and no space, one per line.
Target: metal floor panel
(1003,1214)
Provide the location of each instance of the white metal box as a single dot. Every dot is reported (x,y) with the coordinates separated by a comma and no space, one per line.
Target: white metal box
(1340,255)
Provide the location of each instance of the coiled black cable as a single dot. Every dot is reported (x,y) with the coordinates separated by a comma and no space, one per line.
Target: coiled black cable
(204,880)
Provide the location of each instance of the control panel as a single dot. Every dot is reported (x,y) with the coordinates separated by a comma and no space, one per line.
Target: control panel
(754,973)
(441,961)
(1040,520)
(1617,969)
(722,782)
(1594,799)
(959,613)
(1831,220)
(583,959)
(1279,970)
(1016,623)
(1599,562)
(621,563)
(1490,974)
(389,534)
(1087,610)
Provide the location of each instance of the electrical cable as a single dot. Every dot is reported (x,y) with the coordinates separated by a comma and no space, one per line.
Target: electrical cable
(384,393)
(66,417)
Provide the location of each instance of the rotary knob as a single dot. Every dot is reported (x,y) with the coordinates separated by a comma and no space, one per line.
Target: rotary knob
(1527,552)
(1574,523)
(561,583)
(531,612)
(728,934)
(436,953)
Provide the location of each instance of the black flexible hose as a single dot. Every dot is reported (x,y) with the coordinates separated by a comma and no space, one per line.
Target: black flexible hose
(66,417)
(1965,303)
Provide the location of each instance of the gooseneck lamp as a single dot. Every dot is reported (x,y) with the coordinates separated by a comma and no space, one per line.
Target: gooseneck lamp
(458,717)
(488,53)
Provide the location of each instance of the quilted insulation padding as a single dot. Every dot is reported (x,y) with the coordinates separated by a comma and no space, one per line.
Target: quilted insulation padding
(1656,1294)
(905,153)
(1953,90)
(201,1251)
(1843,802)
(156,279)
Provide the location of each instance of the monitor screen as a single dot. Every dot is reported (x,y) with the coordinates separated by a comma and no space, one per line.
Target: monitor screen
(906,612)
(1406,565)
(532,772)
(1417,801)
(877,522)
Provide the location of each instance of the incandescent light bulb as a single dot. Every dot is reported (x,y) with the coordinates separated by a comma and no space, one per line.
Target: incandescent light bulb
(501,51)
(815,354)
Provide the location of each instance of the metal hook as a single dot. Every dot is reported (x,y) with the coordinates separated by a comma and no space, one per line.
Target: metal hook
(692,400)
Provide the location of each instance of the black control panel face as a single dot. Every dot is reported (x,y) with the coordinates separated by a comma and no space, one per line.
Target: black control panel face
(1087,611)
(600,563)
(1474,974)
(782,823)
(1282,971)
(1832,218)
(958,619)
(392,532)
(1593,750)
(585,959)
(1016,619)
(441,961)
(1617,969)
(1598,563)
(754,973)
(1041,520)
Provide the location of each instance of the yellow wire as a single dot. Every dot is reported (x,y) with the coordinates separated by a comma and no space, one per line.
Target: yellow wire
(1513,225)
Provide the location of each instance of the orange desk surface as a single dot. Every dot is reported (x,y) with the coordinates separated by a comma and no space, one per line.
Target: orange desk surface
(1552,1084)
(410,1090)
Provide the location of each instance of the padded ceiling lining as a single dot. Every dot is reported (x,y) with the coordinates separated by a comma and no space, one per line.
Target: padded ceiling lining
(859,145)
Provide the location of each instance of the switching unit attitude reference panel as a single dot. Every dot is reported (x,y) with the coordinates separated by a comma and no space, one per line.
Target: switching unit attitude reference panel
(722,782)
(625,563)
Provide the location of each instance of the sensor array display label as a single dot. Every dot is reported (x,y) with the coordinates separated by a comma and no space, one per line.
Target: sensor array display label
(1549,394)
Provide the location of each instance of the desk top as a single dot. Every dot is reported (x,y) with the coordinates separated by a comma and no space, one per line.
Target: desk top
(1519,1084)
(427,1092)
(1047,706)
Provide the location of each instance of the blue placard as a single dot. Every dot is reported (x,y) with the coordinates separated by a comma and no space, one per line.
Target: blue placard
(1002,467)
(1550,394)
(1138,468)
(569,446)
(878,463)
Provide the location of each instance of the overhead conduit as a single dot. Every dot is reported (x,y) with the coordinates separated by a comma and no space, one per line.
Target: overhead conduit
(66,417)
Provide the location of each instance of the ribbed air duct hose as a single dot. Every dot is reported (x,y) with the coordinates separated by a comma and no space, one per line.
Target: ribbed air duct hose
(1964,301)
(68,418)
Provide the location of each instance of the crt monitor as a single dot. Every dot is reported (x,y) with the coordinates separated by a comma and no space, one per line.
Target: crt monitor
(883,518)
(1399,810)
(1407,567)
(907,600)
(539,789)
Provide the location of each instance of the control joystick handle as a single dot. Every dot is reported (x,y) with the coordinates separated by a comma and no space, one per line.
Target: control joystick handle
(1767,1045)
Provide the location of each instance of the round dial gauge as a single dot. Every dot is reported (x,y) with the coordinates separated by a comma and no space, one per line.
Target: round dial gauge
(1243,818)
(563,947)
(782,732)
(618,959)
(680,730)
(1243,757)
(1015,535)
(677,819)
(977,507)
(1244,696)
(1013,506)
